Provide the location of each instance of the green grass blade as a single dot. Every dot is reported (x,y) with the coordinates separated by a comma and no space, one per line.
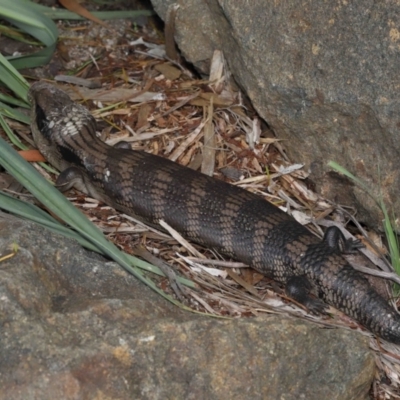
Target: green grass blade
(60,13)
(14,140)
(393,242)
(41,57)
(26,17)
(337,167)
(10,77)
(13,113)
(13,101)
(35,214)
(390,234)
(16,34)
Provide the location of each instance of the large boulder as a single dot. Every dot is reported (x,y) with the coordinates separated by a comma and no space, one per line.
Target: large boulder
(323,75)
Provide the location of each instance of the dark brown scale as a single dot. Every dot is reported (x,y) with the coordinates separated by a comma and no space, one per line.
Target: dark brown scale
(222,216)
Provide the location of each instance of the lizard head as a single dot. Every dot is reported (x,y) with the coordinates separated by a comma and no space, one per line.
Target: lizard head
(57,123)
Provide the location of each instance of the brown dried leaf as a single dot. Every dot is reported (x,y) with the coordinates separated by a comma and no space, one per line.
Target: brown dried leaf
(169,71)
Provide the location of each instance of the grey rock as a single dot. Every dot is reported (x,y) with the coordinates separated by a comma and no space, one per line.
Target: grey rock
(74,326)
(323,75)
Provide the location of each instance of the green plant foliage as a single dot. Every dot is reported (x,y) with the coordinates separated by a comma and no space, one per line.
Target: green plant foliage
(391,236)
(27,18)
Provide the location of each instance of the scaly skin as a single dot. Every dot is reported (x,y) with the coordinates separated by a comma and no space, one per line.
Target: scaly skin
(234,221)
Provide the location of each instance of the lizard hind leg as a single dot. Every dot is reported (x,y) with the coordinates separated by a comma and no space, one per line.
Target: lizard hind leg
(299,289)
(335,239)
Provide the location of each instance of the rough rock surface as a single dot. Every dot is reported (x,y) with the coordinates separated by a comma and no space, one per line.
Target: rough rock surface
(323,75)
(76,327)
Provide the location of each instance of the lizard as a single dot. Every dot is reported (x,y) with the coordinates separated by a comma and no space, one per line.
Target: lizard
(236,222)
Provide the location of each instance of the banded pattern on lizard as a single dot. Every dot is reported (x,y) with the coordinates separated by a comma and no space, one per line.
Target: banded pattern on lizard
(232,220)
